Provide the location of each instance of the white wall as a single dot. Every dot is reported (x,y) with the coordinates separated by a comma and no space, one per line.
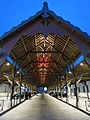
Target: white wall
(81,93)
(88,83)
(4,88)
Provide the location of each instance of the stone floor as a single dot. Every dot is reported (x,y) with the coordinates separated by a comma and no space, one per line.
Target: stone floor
(44,107)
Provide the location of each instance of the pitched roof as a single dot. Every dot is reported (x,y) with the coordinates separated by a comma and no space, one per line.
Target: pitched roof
(44,58)
(45,12)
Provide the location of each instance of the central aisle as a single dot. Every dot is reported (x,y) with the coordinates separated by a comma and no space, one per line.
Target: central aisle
(44,107)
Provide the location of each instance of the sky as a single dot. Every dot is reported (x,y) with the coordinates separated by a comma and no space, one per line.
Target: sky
(13,12)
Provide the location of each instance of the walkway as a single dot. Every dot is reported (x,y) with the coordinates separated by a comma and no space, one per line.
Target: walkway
(44,107)
(85,106)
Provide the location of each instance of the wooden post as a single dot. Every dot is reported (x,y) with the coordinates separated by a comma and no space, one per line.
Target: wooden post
(20,88)
(61,89)
(66,88)
(76,87)
(29,87)
(86,86)
(12,86)
(32,89)
(55,87)
(57,90)
(70,91)
(0,72)
(87,93)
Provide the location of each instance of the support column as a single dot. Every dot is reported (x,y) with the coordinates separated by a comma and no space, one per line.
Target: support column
(20,88)
(55,87)
(32,89)
(29,88)
(70,91)
(0,72)
(26,92)
(76,87)
(86,86)
(61,89)
(66,89)
(12,85)
(57,90)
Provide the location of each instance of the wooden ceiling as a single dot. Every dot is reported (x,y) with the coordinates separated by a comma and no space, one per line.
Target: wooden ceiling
(44,59)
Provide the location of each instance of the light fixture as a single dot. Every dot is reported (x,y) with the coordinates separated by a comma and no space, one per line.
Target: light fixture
(17,71)
(8,64)
(45,88)
(70,72)
(81,63)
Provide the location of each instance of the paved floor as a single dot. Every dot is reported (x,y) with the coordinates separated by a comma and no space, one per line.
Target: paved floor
(82,105)
(44,107)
